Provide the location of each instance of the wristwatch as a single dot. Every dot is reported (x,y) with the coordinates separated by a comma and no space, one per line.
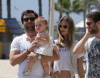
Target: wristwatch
(39,56)
(28,51)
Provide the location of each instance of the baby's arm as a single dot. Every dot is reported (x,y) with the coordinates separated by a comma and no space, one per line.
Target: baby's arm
(44,38)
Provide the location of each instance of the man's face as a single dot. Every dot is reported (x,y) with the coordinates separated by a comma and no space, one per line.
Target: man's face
(28,22)
(92,27)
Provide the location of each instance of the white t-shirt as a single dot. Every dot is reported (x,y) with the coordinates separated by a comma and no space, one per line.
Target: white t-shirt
(64,59)
(20,43)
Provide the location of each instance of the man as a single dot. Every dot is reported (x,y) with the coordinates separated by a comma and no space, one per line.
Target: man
(22,47)
(91,45)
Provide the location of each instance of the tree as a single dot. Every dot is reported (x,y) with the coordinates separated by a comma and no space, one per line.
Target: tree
(86,4)
(0,8)
(8,9)
(66,6)
(40,7)
(96,3)
(58,7)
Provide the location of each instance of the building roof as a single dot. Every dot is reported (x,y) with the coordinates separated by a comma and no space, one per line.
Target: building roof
(12,24)
(80,24)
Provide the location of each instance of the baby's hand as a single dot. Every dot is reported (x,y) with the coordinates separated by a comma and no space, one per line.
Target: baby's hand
(38,38)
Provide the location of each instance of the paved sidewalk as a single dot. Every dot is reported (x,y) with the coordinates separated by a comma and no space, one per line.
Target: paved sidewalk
(6,70)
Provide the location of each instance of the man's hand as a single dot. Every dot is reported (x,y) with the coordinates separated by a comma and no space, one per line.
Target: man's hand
(32,56)
(33,45)
(88,31)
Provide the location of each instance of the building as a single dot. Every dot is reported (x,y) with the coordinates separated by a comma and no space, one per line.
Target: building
(8,29)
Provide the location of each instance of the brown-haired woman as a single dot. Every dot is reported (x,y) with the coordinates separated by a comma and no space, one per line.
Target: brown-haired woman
(68,64)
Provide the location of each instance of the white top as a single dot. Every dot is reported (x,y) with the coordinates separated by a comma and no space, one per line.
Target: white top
(20,43)
(64,59)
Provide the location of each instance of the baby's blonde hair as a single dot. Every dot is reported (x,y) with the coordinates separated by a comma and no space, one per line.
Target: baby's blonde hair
(42,19)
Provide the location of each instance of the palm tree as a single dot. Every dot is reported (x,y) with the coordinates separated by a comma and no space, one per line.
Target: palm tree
(86,4)
(66,6)
(96,3)
(0,8)
(8,9)
(58,7)
(40,7)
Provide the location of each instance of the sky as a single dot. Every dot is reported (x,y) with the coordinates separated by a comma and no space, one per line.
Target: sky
(23,5)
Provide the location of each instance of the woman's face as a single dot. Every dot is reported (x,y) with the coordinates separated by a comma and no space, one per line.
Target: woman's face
(63,27)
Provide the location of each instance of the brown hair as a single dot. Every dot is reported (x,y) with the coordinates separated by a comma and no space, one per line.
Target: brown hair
(70,35)
(27,12)
(95,16)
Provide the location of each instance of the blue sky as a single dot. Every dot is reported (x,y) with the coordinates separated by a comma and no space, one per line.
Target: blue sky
(33,4)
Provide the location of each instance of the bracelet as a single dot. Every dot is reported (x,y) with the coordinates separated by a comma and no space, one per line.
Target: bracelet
(28,51)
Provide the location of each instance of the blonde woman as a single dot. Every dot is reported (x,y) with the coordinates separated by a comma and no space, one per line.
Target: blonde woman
(68,64)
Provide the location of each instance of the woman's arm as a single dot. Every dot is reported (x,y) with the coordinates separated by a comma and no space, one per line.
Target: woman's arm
(80,67)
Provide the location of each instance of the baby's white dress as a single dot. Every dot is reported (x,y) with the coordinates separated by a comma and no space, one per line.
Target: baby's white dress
(45,49)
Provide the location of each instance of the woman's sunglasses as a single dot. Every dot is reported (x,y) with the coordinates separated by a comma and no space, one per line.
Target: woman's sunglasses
(64,26)
(26,19)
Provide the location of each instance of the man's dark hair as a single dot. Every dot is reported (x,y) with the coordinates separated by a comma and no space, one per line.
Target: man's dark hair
(27,12)
(95,16)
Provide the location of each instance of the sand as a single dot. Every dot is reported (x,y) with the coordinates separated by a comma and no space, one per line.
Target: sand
(6,70)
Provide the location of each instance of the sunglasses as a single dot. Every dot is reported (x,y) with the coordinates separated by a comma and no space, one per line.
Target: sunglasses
(64,26)
(88,23)
(26,19)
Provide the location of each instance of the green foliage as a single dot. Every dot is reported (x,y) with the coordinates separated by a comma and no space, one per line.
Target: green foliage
(66,6)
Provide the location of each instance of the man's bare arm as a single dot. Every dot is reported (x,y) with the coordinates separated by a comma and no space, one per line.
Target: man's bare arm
(79,47)
(16,57)
(33,56)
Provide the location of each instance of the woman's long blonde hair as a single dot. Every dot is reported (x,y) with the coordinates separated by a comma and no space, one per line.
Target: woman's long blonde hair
(70,35)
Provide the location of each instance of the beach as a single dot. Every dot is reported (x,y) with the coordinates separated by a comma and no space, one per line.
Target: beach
(6,70)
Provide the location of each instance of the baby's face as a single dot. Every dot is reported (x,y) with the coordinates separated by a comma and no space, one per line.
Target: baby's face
(40,26)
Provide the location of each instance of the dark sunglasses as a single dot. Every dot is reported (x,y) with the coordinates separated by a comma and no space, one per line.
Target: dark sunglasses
(88,23)
(26,19)
(64,26)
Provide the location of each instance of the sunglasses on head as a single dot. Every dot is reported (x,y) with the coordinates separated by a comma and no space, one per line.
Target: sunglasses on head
(88,23)
(64,26)
(26,19)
